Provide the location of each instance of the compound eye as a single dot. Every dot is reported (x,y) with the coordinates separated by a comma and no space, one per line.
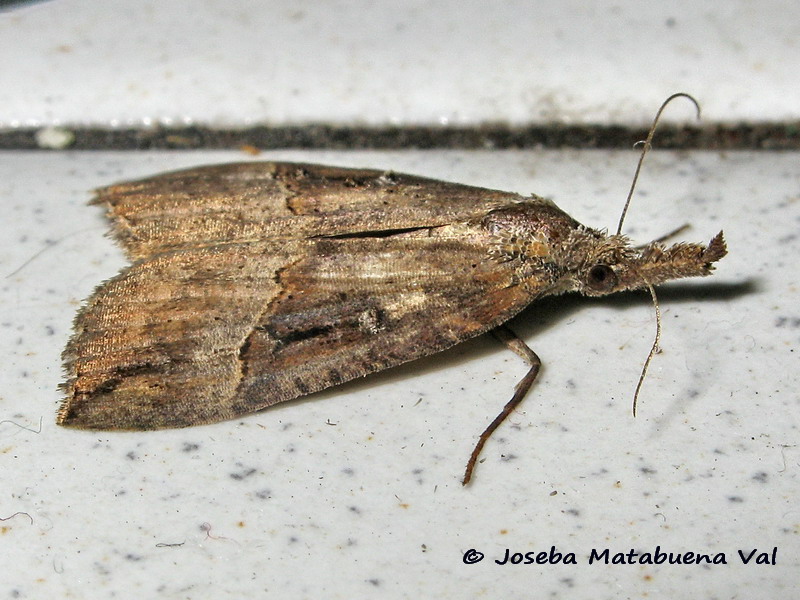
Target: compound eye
(602,278)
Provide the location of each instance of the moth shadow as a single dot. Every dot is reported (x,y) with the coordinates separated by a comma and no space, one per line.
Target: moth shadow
(547,312)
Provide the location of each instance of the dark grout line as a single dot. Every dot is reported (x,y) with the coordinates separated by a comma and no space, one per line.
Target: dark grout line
(764,136)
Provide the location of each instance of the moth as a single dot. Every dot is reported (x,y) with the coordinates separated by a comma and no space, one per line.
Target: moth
(256,283)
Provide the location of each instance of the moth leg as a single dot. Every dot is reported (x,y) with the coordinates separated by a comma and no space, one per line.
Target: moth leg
(663,238)
(514,343)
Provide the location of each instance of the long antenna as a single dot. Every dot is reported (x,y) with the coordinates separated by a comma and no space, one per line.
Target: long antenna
(646,145)
(653,350)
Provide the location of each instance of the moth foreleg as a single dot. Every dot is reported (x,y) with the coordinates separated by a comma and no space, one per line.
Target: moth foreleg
(514,343)
(663,238)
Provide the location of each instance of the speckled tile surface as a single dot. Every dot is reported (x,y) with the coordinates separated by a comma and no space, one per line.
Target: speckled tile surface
(239,62)
(356,491)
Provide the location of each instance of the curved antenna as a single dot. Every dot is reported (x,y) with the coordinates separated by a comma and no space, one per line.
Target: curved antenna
(653,351)
(646,145)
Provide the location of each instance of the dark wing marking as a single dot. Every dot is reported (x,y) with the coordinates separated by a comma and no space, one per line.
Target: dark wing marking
(261,200)
(206,334)
(159,342)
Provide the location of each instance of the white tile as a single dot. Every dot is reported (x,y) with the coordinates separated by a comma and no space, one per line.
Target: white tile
(238,62)
(356,491)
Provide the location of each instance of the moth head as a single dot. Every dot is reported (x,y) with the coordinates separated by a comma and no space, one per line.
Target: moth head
(612,264)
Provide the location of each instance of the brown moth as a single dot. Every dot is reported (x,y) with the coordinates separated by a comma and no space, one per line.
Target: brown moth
(257,283)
